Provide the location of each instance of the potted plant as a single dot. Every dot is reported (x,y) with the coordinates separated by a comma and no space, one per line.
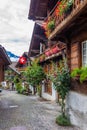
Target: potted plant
(51,25)
(81,73)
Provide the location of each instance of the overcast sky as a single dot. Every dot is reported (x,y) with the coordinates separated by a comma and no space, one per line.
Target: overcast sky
(15,28)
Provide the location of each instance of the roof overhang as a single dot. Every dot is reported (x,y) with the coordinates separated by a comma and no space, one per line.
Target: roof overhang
(4,56)
(14,69)
(38,9)
(38,37)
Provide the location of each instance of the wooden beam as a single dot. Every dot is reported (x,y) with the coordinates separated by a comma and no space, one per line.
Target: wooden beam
(39,18)
(78,29)
(40,37)
(35,51)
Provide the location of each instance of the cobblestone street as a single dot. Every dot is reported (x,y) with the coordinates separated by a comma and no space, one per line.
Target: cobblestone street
(19,112)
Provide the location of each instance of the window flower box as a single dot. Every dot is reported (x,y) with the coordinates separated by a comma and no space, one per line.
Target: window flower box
(55,50)
(80,73)
(48,53)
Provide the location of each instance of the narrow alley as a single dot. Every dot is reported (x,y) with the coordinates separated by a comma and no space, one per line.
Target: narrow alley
(19,112)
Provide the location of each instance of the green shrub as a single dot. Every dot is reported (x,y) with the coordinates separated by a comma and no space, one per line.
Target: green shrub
(51,25)
(18,87)
(61,82)
(23,90)
(75,72)
(83,75)
(82,72)
(39,90)
(63,120)
(34,75)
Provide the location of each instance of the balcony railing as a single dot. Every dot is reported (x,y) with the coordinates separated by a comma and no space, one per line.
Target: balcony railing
(50,53)
(62,11)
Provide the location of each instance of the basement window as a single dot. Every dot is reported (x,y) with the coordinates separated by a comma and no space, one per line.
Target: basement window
(84,53)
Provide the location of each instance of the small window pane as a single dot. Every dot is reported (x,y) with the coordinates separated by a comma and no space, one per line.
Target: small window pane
(84,53)
(84,45)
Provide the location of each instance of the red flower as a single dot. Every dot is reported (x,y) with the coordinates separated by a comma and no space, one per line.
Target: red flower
(57,11)
(44,25)
(58,2)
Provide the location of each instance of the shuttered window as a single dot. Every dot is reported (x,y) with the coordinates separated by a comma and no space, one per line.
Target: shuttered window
(84,53)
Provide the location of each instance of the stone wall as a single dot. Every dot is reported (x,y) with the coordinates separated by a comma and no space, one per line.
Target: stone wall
(47,96)
(76,106)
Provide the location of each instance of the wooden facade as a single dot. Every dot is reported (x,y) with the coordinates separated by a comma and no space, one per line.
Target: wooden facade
(69,27)
(45,52)
(38,37)
(4,61)
(1,73)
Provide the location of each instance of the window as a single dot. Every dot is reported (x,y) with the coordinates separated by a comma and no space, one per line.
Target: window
(84,53)
(48,88)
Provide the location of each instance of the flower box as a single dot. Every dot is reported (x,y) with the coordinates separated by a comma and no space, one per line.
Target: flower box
(48,53)
(55,50)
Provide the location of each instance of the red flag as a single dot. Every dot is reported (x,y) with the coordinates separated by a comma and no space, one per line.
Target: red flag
(22,60)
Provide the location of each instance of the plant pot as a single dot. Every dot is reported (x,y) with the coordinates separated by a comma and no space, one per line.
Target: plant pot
(55,50)
(48,53)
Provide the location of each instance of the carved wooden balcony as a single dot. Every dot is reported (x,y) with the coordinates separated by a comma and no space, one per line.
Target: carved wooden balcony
(65,17)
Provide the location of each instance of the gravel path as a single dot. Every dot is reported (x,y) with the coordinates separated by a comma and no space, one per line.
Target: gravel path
(19,112)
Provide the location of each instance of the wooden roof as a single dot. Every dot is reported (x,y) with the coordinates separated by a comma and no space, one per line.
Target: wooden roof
(12,67)
(37,37)
(4,57)
(38,9)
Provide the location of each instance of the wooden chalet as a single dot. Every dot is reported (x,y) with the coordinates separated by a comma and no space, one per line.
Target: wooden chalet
(70,27)
(4,61)
(44,52)
(38,41)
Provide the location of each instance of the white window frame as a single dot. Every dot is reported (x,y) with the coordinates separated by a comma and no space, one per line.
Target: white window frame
(84,42)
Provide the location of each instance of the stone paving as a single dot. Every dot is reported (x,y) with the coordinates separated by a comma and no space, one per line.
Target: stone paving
(19,112)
